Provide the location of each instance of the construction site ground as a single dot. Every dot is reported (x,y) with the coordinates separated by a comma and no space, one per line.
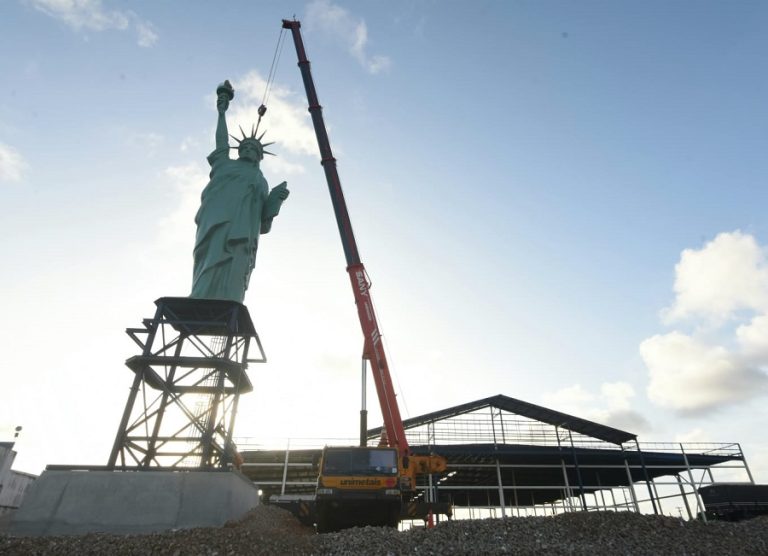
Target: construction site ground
(270,530)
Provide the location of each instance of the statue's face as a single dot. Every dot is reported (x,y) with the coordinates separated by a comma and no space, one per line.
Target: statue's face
(249,150)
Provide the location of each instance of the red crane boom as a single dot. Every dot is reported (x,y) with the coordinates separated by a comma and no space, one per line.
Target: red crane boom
(373,349)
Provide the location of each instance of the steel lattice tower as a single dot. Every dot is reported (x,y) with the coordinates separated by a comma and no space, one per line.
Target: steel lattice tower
(188,379)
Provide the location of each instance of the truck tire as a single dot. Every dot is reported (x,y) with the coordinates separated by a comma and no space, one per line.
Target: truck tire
(393,519)
(325,524)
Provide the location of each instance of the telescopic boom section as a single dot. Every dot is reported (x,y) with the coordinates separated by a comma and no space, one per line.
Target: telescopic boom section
(373,348)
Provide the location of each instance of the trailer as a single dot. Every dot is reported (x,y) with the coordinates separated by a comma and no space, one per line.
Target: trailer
(734,501)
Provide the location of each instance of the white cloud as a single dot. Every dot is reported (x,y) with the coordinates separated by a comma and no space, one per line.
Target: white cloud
(281,167)
(12,164)
(611,407)
(691,376)
(82,14)
(149,141)
(569,399)
(352,31)
(730,273)
(758,461)
(722,284)
(147,36)
(185,184)
(92,15)
(753,339)
(623,419)
(189,143)
(286,121)
(694,435)
(617,394)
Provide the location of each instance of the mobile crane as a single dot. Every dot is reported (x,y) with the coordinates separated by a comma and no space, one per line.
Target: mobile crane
(361,485)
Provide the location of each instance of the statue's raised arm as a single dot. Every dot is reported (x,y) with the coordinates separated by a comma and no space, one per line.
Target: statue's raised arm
(236,208)
(224,93)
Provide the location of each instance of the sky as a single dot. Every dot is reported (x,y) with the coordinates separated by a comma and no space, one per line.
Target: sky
(562,202)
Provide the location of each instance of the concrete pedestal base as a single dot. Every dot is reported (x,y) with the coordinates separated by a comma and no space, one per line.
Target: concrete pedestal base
(78,502)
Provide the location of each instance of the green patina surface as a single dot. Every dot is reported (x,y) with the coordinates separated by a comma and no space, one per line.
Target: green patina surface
(237,206)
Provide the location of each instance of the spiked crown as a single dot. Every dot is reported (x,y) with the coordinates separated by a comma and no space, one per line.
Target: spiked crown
(252,138)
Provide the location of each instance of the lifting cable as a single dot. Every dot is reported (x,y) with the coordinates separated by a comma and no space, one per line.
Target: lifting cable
(271,76)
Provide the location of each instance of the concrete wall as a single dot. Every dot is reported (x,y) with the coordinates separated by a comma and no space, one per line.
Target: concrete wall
(77,502)
(14,487)
(13,484)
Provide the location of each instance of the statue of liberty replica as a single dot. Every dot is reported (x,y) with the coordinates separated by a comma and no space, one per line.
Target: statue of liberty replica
(237,206)
(187,379)
(195,351)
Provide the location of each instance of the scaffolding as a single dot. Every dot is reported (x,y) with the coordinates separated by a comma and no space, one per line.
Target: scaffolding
(187,383)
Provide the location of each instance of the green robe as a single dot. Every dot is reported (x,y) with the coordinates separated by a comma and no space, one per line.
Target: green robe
(235,209)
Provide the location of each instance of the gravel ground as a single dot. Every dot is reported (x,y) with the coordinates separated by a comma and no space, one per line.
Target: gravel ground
(263,530)
(269,530)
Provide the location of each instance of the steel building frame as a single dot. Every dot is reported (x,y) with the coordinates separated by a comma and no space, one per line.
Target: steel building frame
(508,457)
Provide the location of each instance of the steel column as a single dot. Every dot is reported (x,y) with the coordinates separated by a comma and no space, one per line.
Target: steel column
(502,503)
(684,496)
(746,466)
(578,472)
(699,503)
(631,484)
(647,479)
